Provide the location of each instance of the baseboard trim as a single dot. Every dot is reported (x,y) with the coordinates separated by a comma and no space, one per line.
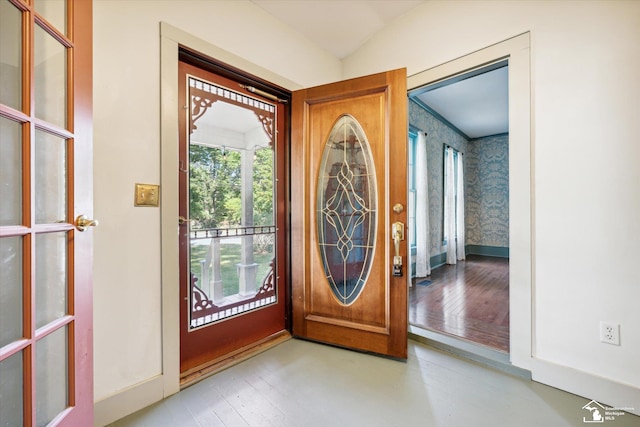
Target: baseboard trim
(128,401)
(494,251)
(438,260)
(146,393)
(589,386)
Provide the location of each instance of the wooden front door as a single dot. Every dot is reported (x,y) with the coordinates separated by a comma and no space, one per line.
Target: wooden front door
(46,342)
(349,162)
(232,217)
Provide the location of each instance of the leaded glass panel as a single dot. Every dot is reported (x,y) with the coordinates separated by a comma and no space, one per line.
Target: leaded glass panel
(346,212)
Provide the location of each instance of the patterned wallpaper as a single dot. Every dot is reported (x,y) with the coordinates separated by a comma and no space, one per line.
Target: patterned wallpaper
(438,135)
(486,167)
(487,191)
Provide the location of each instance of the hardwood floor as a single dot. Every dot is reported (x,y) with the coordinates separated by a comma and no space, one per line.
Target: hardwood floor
(299,383)
(469,300)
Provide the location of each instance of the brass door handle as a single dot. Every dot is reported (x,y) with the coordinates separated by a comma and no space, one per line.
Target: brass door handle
(397,234)
(82,222)
(182,220)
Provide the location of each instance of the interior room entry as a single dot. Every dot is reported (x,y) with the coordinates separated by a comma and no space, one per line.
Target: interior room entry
(461,145)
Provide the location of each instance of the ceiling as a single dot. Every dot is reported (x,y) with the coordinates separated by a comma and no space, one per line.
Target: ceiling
(476,105)
(338,26)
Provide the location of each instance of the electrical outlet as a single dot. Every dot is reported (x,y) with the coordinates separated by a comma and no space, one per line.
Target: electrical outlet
(610,333)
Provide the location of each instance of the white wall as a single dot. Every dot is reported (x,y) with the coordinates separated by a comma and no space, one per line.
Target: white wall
(586,202)
(584,137)
(127,304)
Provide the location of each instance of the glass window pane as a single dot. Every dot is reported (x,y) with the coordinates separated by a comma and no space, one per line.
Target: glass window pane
(10,172)
(231,203)
(54,11)
(11,391)
(10,55)
(50,177)
(51,277)
(51,376)
(263,186)
(50,78)
(346,209)
(10,290)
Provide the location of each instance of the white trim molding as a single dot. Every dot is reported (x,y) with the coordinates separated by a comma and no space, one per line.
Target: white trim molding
(589,386)
(128,401)
(516,51)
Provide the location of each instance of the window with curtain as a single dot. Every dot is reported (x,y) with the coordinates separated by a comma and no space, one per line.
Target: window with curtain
(419,203)
(454,235)
(413,137)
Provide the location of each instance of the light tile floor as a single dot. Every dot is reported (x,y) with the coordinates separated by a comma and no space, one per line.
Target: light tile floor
(299,383)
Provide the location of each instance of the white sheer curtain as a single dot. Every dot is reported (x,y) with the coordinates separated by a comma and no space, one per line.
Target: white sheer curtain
(460,237)
(454,206)
(450,206)
(423,242)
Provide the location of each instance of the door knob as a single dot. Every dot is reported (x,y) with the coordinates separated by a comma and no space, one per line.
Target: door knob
(82,222)
(398,208)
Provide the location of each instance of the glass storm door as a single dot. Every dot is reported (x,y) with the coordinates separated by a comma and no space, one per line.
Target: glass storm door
(230,250)
(46,354)
(348,210)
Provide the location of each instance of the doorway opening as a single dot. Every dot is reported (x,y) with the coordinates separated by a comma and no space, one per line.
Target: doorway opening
(459,189)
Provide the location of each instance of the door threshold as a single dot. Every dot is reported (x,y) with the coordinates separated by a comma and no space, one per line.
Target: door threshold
(466,349)
(212,367)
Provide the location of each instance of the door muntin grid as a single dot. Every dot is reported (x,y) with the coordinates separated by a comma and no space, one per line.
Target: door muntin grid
(37,138)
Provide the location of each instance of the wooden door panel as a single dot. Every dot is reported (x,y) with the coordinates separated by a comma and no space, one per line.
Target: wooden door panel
(376,320)
(367,311)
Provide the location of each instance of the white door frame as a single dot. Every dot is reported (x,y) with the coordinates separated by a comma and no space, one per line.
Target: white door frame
(517,51)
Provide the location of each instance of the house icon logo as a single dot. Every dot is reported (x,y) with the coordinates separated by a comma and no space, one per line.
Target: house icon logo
(595,412)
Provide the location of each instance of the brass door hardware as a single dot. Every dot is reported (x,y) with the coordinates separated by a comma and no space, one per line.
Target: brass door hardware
(82,222)
(397,234)
(182,220)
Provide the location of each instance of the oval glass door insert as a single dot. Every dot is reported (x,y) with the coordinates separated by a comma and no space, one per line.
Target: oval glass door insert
(346,209)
